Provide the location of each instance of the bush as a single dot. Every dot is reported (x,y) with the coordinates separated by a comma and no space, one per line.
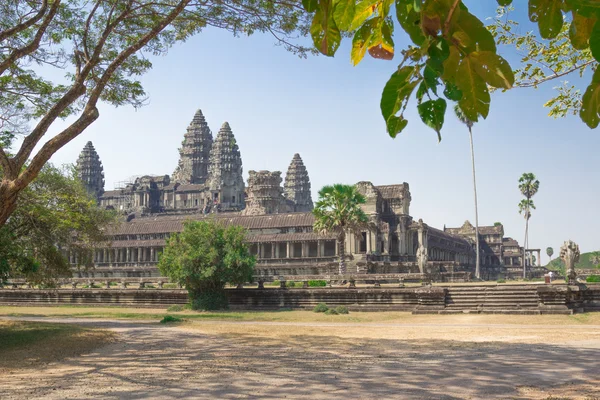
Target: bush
(170,286)
(593,279)
(175,308)
(331,311)
(290,284)
(169,319)
(321,307)
(501,281)
(317,283)
(341,310)
(275,283)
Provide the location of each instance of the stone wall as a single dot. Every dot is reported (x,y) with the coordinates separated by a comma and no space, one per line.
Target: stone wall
(509,299)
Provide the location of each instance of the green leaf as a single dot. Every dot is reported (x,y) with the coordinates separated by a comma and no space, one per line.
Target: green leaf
(430,78)
(590,102)
(362,11)
(432,114)
(475,99)
(395,125)
(580,31)
(438,52)
(360,42)
(452,92)
(326,36)
(421,90)
(343,13)
(381,44)
(310,5)
(504,3)
(451,65)
(409,17)
(470,34)
(595,41)
(394,91)
(494,69)
(548,15)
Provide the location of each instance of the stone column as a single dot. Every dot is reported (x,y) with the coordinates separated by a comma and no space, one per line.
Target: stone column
(289,247)
(261,251)
(128,255)
(276,244)
(152,254)
(272,250)
(320,251)
(303,253)
(140,255)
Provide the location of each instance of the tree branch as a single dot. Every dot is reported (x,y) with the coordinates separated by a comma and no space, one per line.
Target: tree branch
(449,17)
(26,24)
(34,44)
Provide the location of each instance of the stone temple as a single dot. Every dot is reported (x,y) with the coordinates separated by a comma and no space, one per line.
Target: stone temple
(207,184)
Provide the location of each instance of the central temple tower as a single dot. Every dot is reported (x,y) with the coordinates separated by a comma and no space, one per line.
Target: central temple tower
(225,180)
(194,153)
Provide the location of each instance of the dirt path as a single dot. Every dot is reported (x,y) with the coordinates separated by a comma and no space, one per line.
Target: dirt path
(194,361)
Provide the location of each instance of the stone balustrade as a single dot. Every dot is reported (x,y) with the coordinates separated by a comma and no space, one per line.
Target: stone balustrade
(93,283)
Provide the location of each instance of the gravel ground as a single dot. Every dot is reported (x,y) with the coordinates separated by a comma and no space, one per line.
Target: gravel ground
(319,361)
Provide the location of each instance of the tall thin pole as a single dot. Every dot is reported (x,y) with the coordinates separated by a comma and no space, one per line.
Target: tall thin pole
(477,262)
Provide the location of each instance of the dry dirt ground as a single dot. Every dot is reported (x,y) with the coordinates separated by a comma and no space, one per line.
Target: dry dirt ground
(460,358)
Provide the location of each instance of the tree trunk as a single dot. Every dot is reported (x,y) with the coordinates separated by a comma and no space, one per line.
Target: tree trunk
(477,261)
(342,251)
(525,244)
(8,203)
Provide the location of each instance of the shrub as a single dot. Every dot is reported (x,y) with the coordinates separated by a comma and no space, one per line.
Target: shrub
(341,310)
(321,307)
(331,311)
(169,319)
(175,308)
(204,300)
(317,283)
(501,281)
(170,286)
(593,279)
(290,284)
(275,283)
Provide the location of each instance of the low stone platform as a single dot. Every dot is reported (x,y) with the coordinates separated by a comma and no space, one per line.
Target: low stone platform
(498,299)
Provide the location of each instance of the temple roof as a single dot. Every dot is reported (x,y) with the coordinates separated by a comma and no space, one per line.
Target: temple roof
(392,191)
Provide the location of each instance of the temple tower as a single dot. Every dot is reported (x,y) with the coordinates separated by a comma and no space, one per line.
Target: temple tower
(225,180)
(194,153)
(90,171)
(297,185)
(265,194)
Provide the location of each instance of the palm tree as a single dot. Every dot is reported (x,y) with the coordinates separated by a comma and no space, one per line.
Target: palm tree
(549,251)
(465,120)
(528,185)
(338,211)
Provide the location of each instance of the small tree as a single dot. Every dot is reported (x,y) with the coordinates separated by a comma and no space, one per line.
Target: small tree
(529,186)
(205,257)
(338,211)
(549,251)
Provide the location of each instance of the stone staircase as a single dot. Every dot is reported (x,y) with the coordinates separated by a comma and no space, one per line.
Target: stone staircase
(513,299)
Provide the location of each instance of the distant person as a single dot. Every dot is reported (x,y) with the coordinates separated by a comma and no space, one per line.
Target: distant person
(550,274)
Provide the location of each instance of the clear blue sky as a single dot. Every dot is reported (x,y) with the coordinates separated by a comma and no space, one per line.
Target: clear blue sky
(328,111)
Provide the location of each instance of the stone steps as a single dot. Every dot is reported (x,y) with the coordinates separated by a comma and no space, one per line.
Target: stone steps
(493,298)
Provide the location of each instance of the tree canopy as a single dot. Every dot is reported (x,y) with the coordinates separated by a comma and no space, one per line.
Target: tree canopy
(453,55)
(53,214)
(338,211)
(101,48)
(206,256)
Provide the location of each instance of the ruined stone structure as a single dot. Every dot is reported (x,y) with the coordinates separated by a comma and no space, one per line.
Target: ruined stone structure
(90,171)
(265,194)
(297,185)
(208,185)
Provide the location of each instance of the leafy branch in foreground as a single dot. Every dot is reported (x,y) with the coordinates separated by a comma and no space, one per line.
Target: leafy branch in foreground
(453,55)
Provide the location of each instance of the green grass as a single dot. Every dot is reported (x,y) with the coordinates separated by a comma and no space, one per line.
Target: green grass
(584,263)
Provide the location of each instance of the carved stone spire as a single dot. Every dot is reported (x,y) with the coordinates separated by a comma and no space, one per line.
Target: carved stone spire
(194,152)
(225,170)
(90,171)
(297,185)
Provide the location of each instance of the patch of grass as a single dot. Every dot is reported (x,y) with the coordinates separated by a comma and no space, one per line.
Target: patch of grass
(175,308)
(317,283)
(170,286)
(593,279)
(321,308)
(27,344)
(167,319)
(331,311)
(501,281)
